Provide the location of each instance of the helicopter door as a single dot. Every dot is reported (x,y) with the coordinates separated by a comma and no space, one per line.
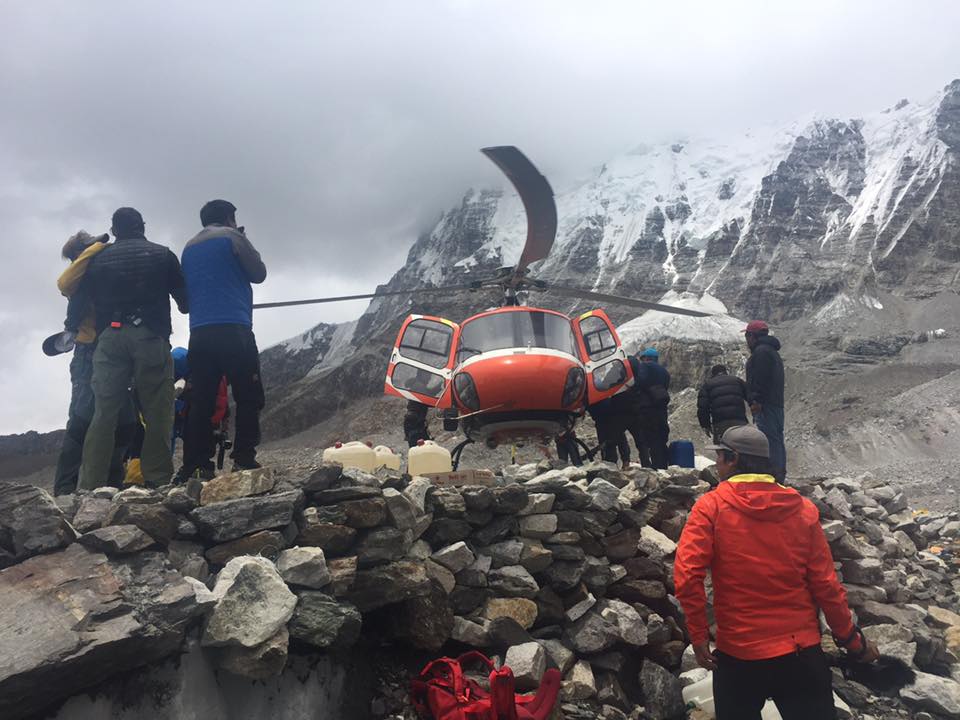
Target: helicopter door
(605,361)
(421,363)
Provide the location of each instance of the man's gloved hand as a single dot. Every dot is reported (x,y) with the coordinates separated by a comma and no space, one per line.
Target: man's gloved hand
(870,654)
(756,408)
(705,657)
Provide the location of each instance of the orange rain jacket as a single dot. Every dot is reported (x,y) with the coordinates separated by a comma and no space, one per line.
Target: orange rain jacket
(771,569)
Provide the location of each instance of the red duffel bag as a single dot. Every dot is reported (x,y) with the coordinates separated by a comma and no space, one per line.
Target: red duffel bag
(443,692)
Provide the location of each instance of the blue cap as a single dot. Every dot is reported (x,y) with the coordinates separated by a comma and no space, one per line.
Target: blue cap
(180,367)
(650,353)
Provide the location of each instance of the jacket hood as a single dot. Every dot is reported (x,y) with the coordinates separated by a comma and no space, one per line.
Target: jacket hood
(764,501)
(768,340)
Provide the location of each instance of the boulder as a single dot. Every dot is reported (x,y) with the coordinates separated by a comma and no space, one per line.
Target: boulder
(416,492)
(69,619)
(155,519)
(509,499)
(512,581)
(381,545)
(505,631)
(261,662)
(337,495)
(304,566)
(232,519)
(934,693)
(425,622)
(654,544)
(622,545)
(323,622)
(446,502)
(343,571)
(233,485)
(400,511)
(662,692)
(942,617)
(592,633)
(507,552)
(179,500)
(535,557)
(579,683)
(253,603)
(868,571)
(522,610)
(116,540)
(30,523)
(559,656)
(333,538)
(91,512)
(630,626)
(468,633)
(440,575)
(454,557)
(893,641)
(477,498)
(268,543)
(387,584)
(500,528)
(446,531)
(365,513)
(604,495)
(528,662)
(538,504)
(538,526)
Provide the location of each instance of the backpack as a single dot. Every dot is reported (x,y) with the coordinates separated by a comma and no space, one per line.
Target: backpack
(442,692)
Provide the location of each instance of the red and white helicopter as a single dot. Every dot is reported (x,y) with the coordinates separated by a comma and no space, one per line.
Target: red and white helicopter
(517,373)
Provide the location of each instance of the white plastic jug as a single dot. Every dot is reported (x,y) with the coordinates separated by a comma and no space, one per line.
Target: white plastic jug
(428,457)
(701,695)
(352,454)
(387,457)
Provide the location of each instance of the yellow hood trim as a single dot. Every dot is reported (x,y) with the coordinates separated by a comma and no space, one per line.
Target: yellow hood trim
(753,478)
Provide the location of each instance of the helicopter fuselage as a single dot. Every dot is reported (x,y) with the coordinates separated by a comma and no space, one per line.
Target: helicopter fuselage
(513,374)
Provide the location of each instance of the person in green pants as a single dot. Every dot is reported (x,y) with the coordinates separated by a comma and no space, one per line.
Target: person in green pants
(130,284)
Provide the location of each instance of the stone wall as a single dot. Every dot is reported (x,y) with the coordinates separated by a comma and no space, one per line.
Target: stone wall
(551,567)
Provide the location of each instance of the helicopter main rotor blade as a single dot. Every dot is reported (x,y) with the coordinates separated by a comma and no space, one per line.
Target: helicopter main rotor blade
(620,300)
(537,197)
(366,296)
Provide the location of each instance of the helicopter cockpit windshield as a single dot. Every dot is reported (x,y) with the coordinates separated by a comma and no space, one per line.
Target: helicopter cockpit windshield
(515,329)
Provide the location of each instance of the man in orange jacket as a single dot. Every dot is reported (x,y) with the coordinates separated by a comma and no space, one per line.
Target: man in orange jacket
(772,573)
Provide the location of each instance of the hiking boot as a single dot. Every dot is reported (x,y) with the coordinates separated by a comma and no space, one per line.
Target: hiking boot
(252,465)
(203,473)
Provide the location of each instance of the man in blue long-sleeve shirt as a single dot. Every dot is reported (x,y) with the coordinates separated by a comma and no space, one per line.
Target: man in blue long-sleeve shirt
(220,264)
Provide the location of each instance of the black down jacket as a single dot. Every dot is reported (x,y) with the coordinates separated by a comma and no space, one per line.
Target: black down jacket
(721,400)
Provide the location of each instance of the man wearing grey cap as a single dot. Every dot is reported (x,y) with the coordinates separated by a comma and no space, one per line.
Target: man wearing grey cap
(772,574)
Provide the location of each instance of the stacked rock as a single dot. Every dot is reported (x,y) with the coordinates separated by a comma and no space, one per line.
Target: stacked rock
(550,567)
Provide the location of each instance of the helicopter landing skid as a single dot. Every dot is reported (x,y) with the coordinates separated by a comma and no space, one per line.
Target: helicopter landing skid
(457,452)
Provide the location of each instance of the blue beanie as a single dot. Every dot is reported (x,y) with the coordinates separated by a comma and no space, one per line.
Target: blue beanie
(650,353)
(180,367)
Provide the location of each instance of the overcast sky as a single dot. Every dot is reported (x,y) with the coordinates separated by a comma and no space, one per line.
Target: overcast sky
(342,129)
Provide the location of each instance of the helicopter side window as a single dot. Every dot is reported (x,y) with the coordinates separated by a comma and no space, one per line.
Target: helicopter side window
(408,377)
(613,373)
(597,337)
(428,342)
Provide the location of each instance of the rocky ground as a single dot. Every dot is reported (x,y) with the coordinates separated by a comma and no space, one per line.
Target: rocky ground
(551,567)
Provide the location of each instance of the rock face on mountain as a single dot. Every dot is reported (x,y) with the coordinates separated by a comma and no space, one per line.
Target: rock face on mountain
(777,224)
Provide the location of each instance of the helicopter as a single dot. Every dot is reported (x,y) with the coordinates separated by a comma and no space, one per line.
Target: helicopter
(516,373)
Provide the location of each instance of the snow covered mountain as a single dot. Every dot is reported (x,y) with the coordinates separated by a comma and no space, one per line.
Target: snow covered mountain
(820,219)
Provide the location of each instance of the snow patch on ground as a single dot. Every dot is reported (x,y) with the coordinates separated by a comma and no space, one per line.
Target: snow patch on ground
(653,325)
(843,306)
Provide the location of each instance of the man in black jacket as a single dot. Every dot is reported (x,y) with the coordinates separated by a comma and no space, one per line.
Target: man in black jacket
(721,403)
(646,407)
(130,283)
(765,390)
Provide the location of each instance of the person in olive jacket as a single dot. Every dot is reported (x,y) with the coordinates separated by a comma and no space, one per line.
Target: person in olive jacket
(722,402)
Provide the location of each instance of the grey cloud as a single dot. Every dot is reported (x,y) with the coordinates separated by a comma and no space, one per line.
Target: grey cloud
(341,130)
